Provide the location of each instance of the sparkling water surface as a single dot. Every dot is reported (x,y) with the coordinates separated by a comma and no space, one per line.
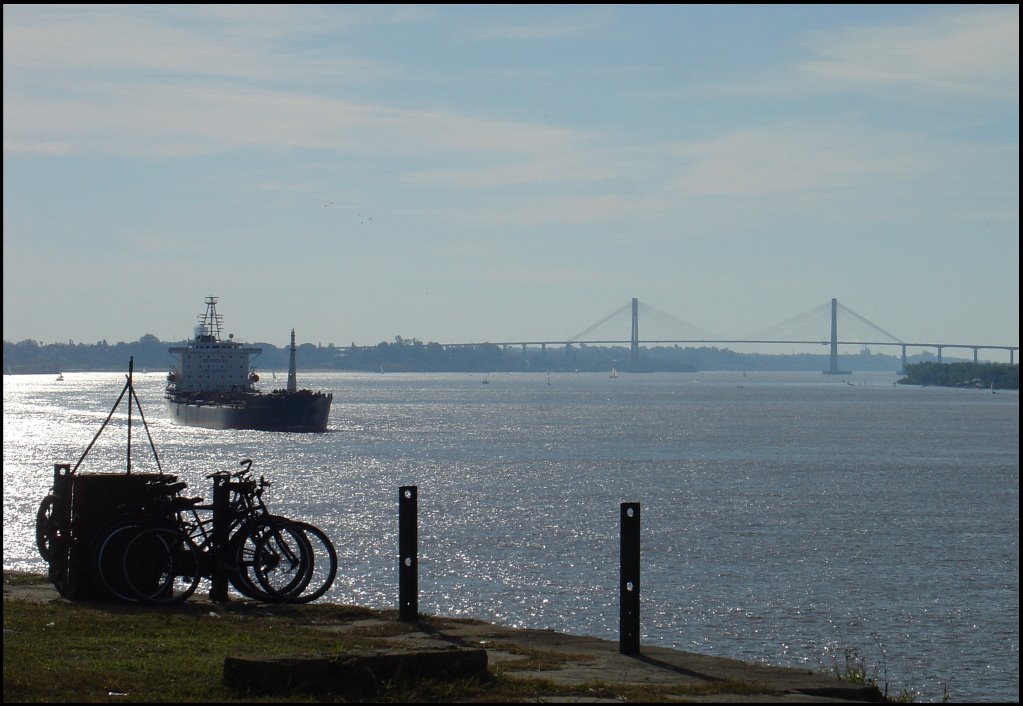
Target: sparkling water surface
(787,518)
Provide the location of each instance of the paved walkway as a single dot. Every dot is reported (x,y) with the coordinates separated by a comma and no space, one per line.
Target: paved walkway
(573,660)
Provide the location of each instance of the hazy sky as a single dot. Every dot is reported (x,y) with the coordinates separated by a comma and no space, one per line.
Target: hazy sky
(471,173)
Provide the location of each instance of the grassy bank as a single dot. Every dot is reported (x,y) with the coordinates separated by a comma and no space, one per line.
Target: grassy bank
(61,651)
(76,651)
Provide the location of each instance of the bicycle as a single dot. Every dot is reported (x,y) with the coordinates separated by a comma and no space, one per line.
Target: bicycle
(159,553)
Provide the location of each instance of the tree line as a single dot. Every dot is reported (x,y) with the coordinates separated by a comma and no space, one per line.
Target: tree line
(997,376)
(413,355)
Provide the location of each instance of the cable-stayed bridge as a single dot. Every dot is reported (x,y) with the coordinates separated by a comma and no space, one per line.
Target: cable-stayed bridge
(824,318)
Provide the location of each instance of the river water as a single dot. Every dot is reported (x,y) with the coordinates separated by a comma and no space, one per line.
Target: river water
(788,518)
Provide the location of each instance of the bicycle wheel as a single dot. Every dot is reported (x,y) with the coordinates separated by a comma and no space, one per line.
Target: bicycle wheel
(161,565)
(241,556)
(108,559)
(297,562)
(283,561)
(51,531)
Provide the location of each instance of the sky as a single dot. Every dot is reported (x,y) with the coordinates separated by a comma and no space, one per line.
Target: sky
(505,173)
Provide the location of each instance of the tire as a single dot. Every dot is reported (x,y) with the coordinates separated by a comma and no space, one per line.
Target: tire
(161,565)
(297,563)
(241,557)
(51,528)
(108,559)
(283,562)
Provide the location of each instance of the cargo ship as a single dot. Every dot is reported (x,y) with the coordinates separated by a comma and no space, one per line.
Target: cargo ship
(214,386)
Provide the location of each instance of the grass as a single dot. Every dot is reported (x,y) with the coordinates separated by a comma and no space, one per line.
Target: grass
(73,652)
(62,651)
(853,669)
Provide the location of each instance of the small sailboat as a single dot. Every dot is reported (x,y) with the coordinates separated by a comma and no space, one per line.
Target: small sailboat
(614,373)
(60,377)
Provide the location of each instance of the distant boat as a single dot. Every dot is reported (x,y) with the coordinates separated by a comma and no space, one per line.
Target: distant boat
(614,373)
(60,376)
(214,387)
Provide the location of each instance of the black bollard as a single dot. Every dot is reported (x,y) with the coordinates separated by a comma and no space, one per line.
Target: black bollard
(58,531)
(628,642)
(218,550)
(408,550)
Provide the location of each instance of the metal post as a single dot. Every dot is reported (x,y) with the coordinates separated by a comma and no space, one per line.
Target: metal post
(408,551)
(131,393)
(221,507)
(59,560)
(629,603)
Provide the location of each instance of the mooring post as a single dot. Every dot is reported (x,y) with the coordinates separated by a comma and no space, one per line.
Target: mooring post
(628,642)
(221,508)
(60,537)
(408,551)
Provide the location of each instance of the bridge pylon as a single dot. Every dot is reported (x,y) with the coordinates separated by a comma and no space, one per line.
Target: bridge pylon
(833,365)
(634,343)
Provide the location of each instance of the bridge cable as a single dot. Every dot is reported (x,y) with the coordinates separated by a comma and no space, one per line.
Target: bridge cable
(602,321)
(816,311)
(701,332)
(869,323)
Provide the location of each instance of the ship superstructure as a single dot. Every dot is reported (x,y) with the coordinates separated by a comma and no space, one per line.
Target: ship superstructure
(209,364)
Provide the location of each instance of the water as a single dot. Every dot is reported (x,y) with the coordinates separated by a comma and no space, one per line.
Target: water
(786,517)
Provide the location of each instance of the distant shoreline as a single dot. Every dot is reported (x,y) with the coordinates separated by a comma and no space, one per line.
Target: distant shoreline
(149,353)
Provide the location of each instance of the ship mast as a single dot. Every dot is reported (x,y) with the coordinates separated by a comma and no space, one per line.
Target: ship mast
(292,381)
(210,323)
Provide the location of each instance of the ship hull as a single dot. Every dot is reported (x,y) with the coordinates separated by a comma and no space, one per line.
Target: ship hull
(301,411)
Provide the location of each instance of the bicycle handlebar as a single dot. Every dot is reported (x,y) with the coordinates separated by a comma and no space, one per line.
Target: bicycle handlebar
(247,465)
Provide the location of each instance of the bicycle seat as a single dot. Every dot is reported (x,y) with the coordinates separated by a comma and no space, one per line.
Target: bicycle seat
(171,488)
